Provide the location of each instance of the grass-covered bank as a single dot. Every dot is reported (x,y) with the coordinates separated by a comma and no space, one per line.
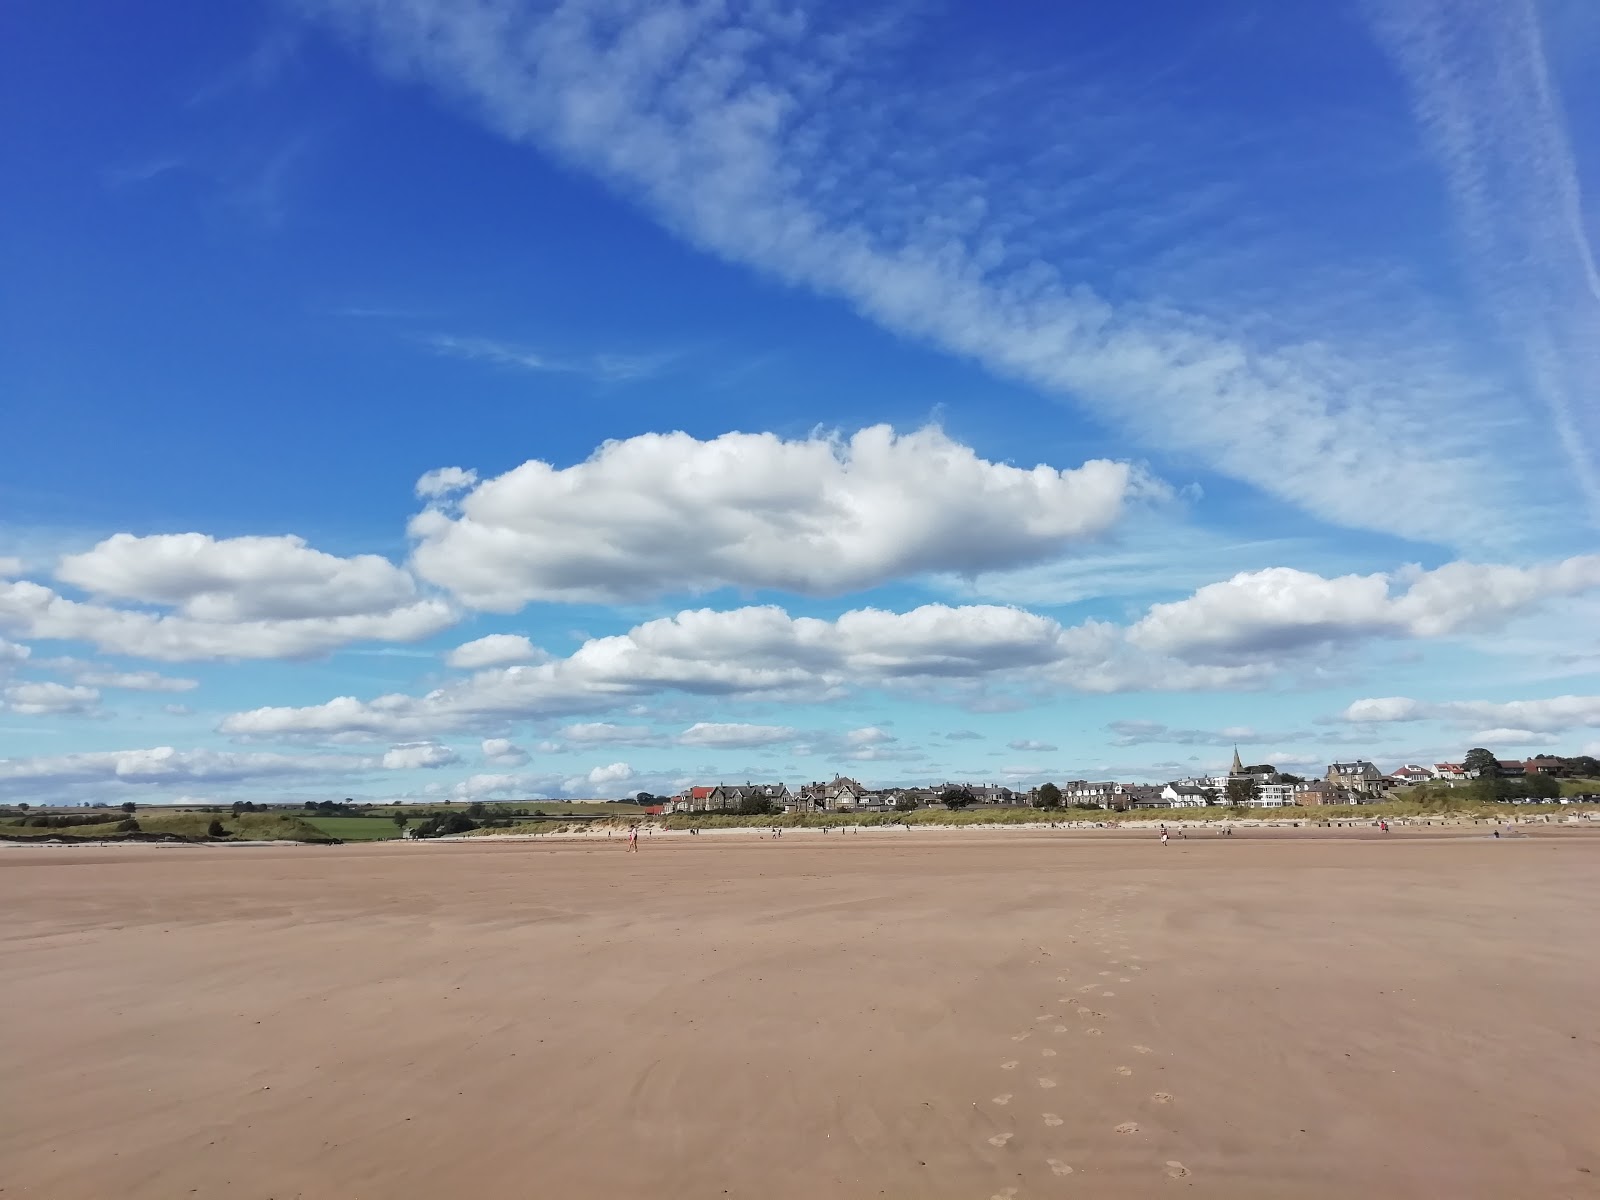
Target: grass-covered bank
(191,826)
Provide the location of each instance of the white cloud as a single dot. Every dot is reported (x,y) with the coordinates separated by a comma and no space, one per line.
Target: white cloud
(50,699)
(1385,708)
(762,651)
(1514,737)
(603,732)
(419,755)
(177,710)
(37,611)
(1028,745)
(731,736)
(1556,714)
(495,650)
(10,566)
(500,752)
(605,779)
(445,481)
(602,368)
(12,653)
(137,681)
(663,513)
(240,579)
(1279,609)
(753,134)
(869,735)
(163,765)
(1484,101)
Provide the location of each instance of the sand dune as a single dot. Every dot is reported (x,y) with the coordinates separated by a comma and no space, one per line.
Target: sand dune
(961,1015)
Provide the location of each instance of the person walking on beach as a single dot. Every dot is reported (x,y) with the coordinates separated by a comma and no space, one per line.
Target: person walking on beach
(633,839)
(1163,835)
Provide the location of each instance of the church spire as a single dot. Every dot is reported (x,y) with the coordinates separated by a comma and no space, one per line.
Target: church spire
(1238,767)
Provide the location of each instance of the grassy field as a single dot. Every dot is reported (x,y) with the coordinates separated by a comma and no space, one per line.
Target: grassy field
(355,829)
(270,827)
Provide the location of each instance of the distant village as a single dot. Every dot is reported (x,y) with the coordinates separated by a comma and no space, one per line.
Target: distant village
(1258,786)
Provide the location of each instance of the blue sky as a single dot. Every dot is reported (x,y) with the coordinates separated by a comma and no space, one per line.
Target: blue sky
(916,391)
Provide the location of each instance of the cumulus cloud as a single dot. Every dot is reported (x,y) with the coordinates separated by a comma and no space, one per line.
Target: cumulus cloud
(500,752)
(1556,714)
(137,681)
(1280,609)
(163,765)
(604,732)
(419,755)
(732,736)
(663,513)
(762,651)
(50,699)
(445,481)
(39,612)
(11,653)
(1138,733)
(869,735)
(495,650)
(238,579)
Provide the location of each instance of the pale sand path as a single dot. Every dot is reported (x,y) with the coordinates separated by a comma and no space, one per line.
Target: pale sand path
(1308,1018)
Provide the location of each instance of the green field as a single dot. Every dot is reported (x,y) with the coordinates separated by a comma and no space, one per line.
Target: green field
(355,829)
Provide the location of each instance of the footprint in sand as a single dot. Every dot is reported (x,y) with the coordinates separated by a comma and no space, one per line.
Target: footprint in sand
(1090,1013)
(1124,1071)
(1046,1017)
(1092,1031)
(1009,1065)
(1000,1139)
(1046,1082)
(1005,1194)
(1057,1167)
(1047,1053)
(1176,1169)
(1019,1037)
(1104,973)
(1061,978)
(1162,1097)
(1125,1127)
(1052,1120)
(1088,987)
(1061,1029)
(1124,979)
(1143,1050)
(1003,1099)
(1107,995)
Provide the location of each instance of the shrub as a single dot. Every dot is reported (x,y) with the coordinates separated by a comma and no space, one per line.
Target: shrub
(215,829)
(129,825)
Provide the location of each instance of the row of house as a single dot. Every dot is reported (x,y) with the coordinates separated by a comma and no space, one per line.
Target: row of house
(840,794)
(1356,781)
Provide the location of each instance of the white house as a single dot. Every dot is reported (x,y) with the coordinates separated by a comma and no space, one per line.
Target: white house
(1185,795)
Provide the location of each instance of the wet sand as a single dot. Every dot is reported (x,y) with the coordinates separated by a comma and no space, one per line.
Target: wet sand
(949,1015)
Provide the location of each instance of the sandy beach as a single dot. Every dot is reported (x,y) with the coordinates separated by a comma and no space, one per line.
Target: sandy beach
(1290,1013)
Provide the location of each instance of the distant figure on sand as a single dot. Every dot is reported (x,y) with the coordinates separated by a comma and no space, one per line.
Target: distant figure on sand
(633,839)
(1163,836)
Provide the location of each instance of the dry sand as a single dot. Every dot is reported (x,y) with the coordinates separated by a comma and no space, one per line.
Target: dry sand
(952,1015)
